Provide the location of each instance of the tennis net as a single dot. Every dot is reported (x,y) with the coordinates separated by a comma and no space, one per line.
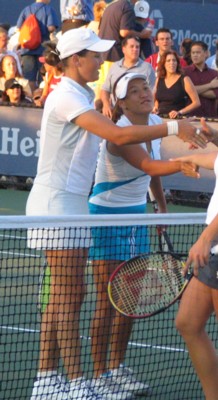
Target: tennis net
(155,352)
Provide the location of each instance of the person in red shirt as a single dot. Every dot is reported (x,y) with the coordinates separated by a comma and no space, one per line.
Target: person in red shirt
(54,71)
(164,42)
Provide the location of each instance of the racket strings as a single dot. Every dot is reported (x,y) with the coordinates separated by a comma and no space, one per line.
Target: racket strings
(147,284)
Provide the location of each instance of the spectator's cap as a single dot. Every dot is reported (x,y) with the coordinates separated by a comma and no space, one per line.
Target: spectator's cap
(76,40)
(12,30)
(141,9)
(122,84)
(42,60)
(12,83)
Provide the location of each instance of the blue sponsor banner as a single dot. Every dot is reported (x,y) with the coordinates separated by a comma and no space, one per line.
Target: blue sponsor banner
(19,140)
(19,149)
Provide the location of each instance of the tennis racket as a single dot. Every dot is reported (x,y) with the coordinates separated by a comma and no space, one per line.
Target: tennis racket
(146,285)
(150,283)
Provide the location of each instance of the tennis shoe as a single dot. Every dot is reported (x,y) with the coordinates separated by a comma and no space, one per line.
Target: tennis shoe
(50,388)
(109,389)
(81,389)
(126,378)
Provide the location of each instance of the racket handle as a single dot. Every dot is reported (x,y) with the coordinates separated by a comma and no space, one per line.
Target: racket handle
(153,200)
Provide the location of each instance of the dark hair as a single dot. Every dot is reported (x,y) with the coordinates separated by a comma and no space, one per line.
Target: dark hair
(81,53)
(42,70)
(51,55)
(117,110)
(200,43)
(6,98)
(128,37)
(161,65)
(163,30)
(186,50)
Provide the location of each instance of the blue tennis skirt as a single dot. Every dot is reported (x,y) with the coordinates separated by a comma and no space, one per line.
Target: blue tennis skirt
(118,242)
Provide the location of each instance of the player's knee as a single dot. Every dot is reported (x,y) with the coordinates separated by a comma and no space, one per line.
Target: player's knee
(181,324)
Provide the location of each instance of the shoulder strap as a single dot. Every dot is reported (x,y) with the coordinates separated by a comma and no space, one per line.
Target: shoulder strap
(38,9)
(182,81)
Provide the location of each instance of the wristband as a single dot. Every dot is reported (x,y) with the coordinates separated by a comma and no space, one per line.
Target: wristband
(172,128)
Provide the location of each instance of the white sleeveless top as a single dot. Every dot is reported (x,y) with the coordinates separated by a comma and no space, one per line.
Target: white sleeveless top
(118,183)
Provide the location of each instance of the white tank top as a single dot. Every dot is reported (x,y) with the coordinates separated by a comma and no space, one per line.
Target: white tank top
(118,183)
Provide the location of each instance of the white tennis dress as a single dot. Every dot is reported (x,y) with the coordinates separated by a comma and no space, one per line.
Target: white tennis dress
(67,157)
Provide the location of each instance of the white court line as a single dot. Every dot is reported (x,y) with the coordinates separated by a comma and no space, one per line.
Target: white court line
(133,344)
(11,253)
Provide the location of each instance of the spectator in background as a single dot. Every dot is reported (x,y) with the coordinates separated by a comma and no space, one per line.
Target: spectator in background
(131,62)
(75,13)
(141,9)
(205,80)
(185,50)
(37,94)
(5,50)
(53,70)
(212,62)
(175,94)
(117,22)
(13,39)
(164,42)
(48,22)
(98,10)
(9,70)
(14,93)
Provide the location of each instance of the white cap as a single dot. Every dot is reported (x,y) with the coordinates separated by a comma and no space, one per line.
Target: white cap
(76,40)
(141,9)
(122,84)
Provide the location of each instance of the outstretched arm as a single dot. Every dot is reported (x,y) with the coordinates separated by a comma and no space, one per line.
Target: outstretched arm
(204,160)
(211,133)
(139,158)
(94,122)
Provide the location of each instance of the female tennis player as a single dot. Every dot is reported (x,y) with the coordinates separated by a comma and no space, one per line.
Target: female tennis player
(68,152)
(123,176)
(200,298)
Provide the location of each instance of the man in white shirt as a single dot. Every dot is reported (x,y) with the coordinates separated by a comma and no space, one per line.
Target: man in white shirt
(131,62)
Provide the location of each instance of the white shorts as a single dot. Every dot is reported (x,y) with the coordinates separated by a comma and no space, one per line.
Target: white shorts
(44,201)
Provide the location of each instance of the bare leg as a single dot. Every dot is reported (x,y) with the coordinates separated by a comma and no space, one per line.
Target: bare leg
(60,324)
(196,306)
(121,331)
(108,328)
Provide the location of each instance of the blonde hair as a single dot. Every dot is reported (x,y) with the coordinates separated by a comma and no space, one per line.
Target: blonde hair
(98,10)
